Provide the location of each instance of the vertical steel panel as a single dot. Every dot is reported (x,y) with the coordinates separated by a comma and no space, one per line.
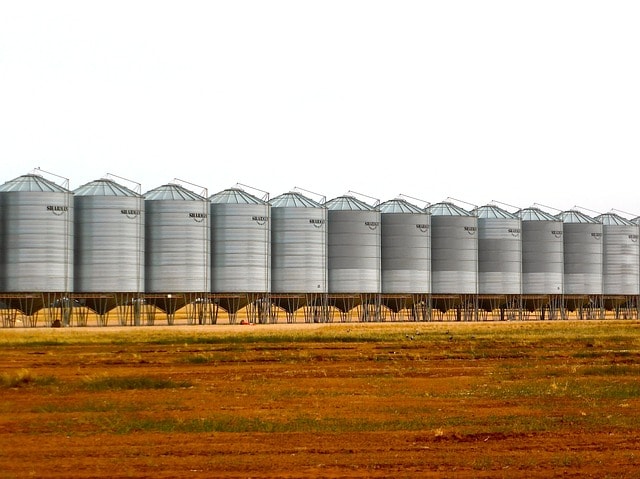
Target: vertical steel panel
(499,256)
(37,231)
(240,247)
(406,252)
(583,258)
(621,262)
(542,257)
(109,244)
(298,249)
(177,239)
(354,242)
(454,254)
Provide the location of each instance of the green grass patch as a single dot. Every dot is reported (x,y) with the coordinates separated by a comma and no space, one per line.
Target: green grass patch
(89,406)
(110,383)
(25,378)
(612,370)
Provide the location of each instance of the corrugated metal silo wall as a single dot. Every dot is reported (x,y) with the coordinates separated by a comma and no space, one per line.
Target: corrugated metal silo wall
(354,251)
(542,257)
(406,253)
(177,236)
(240,248)
(499,256)
(2,250)
(620,268)
(298,250)
(38,241)
(583,258)
(109,244)
(454,254)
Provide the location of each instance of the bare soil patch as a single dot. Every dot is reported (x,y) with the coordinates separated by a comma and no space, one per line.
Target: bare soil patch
(466,400)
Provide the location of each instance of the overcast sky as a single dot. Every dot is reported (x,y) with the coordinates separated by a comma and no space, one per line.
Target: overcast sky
(521,102)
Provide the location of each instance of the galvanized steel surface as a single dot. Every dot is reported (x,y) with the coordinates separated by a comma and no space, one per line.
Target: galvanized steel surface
(109,238)
(542,252)
(583,254)
(353,248)
(240,242)
(37,236)
(621,267)
(499,252)
(177,236)
(454,250)
(298,245)
(405,248)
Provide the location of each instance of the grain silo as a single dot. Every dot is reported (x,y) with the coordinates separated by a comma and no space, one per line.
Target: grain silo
(499,259)
(109,238)
(621,267)
(405,258)
(542,260)
(583,260)
(240,250)
(38,235)
(454,253)
(109,247)
(353,252)
(37,239)
(298,255)
(177,237)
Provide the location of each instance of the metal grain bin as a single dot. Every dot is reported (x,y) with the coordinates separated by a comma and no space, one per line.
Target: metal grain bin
(454,250)
(620,255)
(176,240)
(240,242)
(542,252)
(37,236)
(499,251)
(353,246)
(583,254)
(109,238)
(406,248)
(298,245)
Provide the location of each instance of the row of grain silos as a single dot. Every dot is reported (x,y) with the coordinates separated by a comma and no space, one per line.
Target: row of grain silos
(103,237)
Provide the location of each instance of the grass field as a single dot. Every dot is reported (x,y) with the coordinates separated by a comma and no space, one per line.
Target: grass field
(491,399)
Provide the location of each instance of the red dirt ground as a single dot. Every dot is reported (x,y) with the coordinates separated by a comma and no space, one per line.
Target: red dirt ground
(434,402)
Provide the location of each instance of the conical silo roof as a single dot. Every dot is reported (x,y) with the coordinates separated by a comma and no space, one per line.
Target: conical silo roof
(612,219)
(347,203)
(235,196)
(399,206)
(447,209)
(492,212)
(103,187)
(573,216)
(293,200)
(172,192)
(32,183)
(535,214)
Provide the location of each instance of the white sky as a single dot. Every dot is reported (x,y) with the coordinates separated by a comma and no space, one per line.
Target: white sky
(517,101)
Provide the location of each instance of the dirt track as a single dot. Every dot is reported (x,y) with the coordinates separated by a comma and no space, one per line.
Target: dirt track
(435,400)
